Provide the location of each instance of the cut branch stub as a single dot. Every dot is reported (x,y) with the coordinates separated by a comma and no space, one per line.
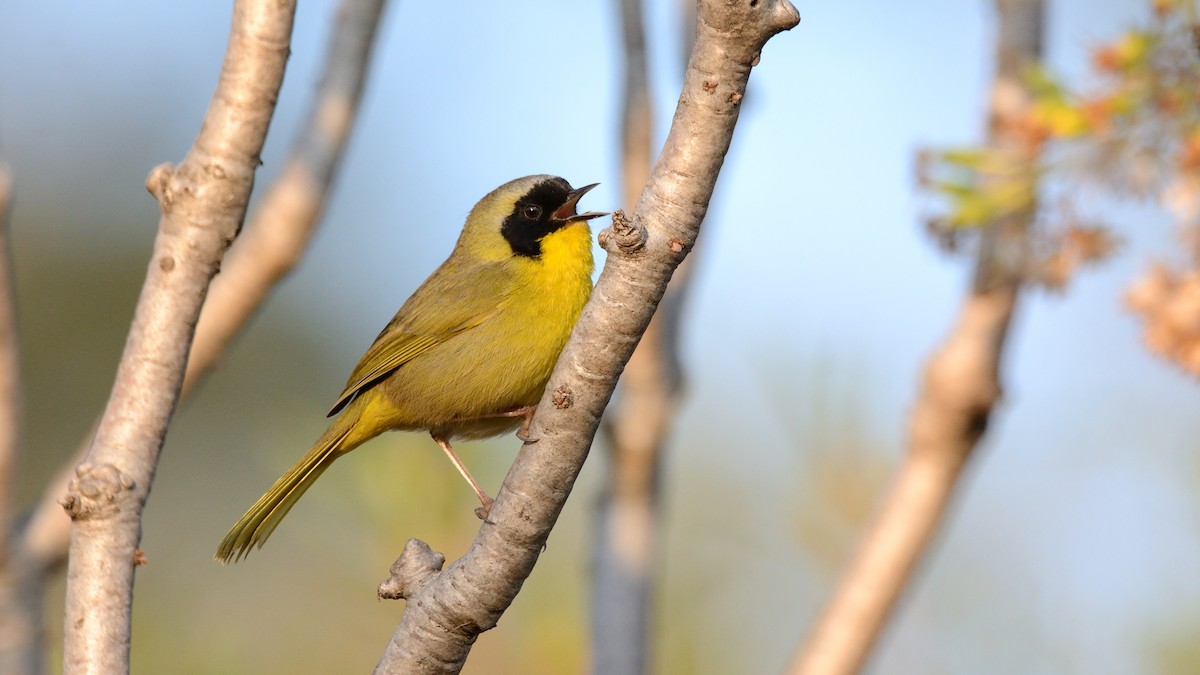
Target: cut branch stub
(411,571)
(442,621)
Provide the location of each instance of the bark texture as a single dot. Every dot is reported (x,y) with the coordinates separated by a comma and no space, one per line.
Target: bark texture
(275,237)
(279,230)
(203,203)
(447,611)
(960,389)
(286,218)
(625,532)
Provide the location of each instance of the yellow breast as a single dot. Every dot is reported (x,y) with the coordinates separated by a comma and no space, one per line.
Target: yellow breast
(561,278)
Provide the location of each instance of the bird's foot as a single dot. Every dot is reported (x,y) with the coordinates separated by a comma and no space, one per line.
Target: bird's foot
(526,413)
(485,508)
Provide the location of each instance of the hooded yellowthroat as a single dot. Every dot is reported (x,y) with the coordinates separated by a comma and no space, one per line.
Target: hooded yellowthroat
(469,354)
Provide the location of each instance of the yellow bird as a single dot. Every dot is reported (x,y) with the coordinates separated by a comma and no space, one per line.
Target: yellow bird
(469,354)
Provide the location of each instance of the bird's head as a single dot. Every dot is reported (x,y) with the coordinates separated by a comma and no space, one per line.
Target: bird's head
(515,218)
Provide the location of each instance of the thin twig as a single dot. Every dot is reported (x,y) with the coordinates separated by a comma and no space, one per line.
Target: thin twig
(960,389)
(203,203)
(446,611)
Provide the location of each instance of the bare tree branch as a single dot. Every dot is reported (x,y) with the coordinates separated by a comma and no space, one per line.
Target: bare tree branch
(11,400)
(960,389)
(626,530)
(447,611)
(285,220)
(21,623)
(46,531)
(637,115)
(203,203)
(625,526)
(20,612)
(274,238)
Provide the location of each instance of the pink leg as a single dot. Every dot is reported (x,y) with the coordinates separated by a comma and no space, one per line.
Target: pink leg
(486,501)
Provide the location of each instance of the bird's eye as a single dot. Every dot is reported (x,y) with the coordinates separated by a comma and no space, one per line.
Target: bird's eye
(532,212)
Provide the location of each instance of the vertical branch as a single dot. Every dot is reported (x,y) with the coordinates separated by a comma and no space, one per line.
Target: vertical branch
(627,515)
(20,612)
(10,368)
(203,202)
(37,547)
(637,115)
(447,610)
(960,389)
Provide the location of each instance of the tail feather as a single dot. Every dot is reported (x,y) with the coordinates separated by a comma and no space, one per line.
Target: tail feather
(252,530)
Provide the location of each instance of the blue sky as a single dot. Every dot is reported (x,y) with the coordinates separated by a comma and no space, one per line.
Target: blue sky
(812,261)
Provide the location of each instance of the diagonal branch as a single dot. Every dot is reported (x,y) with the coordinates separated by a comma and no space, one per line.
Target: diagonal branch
(288,214)
(270,246)
(446,611)
(960,389)
(203,202)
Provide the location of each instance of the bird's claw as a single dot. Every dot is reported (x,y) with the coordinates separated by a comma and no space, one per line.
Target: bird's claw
(482,511)
(523,433)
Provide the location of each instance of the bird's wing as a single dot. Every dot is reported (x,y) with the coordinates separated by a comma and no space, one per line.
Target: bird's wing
(451,301)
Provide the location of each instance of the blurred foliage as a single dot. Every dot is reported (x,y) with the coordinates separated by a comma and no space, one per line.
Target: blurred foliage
(842,471)
(982,185)
(1135,132)
(769,479)
(1168,300)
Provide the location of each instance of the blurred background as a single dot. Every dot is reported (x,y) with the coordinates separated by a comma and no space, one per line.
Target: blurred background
(817,295)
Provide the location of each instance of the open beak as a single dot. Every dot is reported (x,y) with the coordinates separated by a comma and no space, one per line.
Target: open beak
(566,212)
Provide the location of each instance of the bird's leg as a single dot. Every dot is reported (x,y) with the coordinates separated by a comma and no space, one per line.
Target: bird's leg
(486,501)
(526,412)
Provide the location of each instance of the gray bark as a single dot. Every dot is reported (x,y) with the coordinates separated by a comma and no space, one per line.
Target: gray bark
(203,202)
(447,610)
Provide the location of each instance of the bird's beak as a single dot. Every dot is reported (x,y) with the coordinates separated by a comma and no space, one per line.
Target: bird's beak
(566,212)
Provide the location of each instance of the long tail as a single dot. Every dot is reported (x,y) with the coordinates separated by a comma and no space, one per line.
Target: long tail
(261,520)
